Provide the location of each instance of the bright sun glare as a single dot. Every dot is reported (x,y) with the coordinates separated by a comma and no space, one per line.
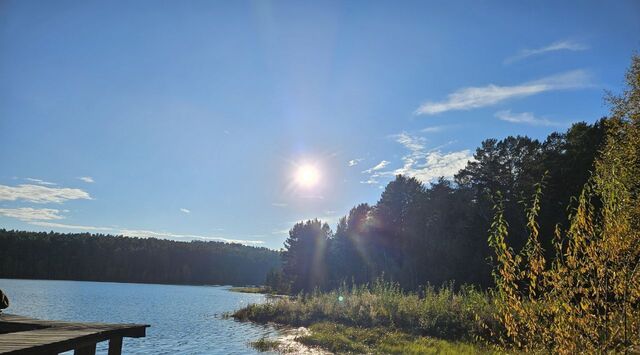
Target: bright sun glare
(307,175)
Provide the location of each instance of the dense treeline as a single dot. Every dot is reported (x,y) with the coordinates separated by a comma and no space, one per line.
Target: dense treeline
(96,257)
(566,280)
(419,234)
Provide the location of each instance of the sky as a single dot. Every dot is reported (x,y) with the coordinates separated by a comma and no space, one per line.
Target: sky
(233,120)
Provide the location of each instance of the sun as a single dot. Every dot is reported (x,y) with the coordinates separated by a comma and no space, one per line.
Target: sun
(307,175)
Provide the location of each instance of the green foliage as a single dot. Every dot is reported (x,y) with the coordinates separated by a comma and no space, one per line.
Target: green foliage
(264,344)
(262,289)
(417,235)
(31,255)
(304,260)
(587,300)
(439,313)
(341,339)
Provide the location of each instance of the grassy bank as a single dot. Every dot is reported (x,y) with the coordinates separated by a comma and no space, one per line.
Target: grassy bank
(384,319)
(256,289)
(338,338)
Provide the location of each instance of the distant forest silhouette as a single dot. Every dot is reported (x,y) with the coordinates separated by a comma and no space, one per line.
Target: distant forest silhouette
(419,234)
(97,257)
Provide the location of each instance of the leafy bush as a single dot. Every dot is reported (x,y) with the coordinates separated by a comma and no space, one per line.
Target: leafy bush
(587,300)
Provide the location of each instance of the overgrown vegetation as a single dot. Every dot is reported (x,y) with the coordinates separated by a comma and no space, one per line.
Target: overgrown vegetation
(587,299)
(442,313)
(249,289)
(264,344)
(419,234)
(559,286)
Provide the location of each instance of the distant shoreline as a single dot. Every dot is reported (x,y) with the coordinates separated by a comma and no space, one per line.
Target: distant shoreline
(130,282)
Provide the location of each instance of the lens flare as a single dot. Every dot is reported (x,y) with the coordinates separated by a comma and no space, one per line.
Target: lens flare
(307,176)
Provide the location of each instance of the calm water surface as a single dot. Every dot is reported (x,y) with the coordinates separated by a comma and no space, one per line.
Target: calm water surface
(184,319)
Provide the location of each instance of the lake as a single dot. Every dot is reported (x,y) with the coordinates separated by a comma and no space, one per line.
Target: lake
(183,319)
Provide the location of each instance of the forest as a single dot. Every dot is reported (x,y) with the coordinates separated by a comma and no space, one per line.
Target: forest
(533,247)
(97,257)
(419,234)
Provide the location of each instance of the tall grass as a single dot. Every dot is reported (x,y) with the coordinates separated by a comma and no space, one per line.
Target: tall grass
(465,314)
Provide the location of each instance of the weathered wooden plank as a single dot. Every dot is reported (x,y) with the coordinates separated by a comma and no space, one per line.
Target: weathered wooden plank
(56,336)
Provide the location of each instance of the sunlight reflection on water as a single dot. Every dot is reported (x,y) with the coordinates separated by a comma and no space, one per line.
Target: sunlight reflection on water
(184,319)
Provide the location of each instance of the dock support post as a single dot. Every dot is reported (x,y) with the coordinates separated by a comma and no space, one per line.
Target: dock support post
(86,350)
(115,346)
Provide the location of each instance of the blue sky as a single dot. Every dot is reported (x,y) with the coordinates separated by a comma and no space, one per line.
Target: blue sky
(189,119)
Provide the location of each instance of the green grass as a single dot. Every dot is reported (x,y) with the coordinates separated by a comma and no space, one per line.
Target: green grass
(264,344)
(342,339)
(261,289)
(382,318)
(464,315)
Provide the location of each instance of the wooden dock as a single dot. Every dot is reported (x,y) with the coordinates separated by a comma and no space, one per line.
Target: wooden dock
(22,335)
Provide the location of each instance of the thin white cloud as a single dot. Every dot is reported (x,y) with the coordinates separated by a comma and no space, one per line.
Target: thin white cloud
(413,143)
(69,226)
(425,165)
(41,194)
(381,165)
(524,118)
(185,210)
(566,45)
(354,162)
(27,214)
(139,233)
(88,179)
(280,231)
(436,164)
(278,204)
(370,181)
(476,97)
(438,129)
(167,235)
(41,182)
(40,217)
(433,129)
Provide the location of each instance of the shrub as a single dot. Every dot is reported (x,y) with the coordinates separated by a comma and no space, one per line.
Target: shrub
(588,298)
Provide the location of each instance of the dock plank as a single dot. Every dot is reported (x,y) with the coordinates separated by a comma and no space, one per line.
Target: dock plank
(44,336)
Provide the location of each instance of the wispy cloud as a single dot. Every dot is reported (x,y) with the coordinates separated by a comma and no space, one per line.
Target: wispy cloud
(284,231)
(423,164)
(565,45)
(88,179)
(42,217)
(381,165)
(41,182)
(27,214)
(524,118)
(428,165)
(370,181)
(184,210)
(354,162)
(140,233)
(435,129)
(70,226)
(168,235)
(41,194)
(278,204)
(476,97)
